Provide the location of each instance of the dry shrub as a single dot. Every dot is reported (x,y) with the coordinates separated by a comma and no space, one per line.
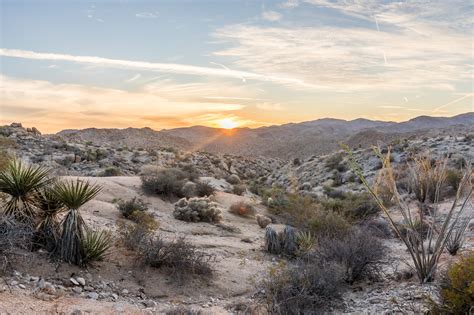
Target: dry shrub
(304,287)
(164,182)
(133,235)
(242,208)
(204,189)
(327,224)
(239,190)
(127,208)
(14,236)
(197,210)
(180,258)
(359,252)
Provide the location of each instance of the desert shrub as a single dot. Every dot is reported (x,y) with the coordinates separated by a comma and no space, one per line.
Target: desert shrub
(306,242)
(327,223)
(189,189)
(239,189)
(179,257)
(128,207)
(190,172)
(359,252)
(183,310)
(133,235)
(166,182)
(204,189)
(354,207)
(295,209)
(307,286)
(426,174)
(233,179)
(456,238)
(242,208)
(14,235)
(95,245)
(335,162)
(379,228)
(111,171)
(197,209)
(457,288)
(453,178)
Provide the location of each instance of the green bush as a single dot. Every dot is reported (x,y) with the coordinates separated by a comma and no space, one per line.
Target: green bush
(453,178)
(204,189)
(354,207)
(165,182)
(327,224)
(239,189)
(111,171)
(457,288)
(127,208)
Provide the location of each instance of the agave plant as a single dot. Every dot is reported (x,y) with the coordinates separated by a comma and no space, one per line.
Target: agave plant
(425,253)
(73,194)
(48,222)
(21,183)
(95,245)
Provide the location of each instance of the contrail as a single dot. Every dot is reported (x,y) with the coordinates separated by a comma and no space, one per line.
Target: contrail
(437,109)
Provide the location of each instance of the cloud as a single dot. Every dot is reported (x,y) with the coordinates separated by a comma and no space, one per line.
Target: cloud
(272,16)
(147,15)
(158,67)
(270,106)
(416,47)
(59,106)
(134,78)
(289,4)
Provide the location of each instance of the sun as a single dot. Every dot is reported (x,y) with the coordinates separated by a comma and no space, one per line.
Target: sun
(227,123)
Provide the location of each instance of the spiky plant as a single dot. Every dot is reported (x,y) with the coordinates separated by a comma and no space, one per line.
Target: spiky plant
(289,241)
(48,221)
(456,239)
(305,241)
(272,242)
(21,183)
(95,245)
(73,194)
(425,253)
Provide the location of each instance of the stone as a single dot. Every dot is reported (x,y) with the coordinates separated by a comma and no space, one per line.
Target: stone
(124,291)
(88,288)
(77,290)
(81,281)
(149,303)
(263,221)
(93,295)
(74,281)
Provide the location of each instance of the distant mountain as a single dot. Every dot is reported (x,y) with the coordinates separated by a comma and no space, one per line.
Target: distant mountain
(286,141)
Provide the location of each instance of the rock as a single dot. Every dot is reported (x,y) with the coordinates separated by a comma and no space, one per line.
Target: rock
(49,288)
(81,281)
(114,296)
(77,290)
(76,312)
(13,283)
(149,303)
(74,281)
(88,288)
(124,291)
(263,220)
(22,286)
(93,295)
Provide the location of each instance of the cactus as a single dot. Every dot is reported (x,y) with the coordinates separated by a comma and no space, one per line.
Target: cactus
(289,241)
(272,241)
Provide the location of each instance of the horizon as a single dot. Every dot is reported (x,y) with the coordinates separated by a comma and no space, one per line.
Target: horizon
(234,64)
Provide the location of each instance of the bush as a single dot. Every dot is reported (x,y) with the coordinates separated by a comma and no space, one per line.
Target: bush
(111,171)
(354,207)
(166,182)
(327,224)
(132,235)
(179,257)
(204,189)
(190,172)
(239,190)
(242,208)
(233,179)
(285,242)
(95,245)
(304,287)
(457,288)
(197,209)
(127,208)
(359,252)
(14,235)
(334,162)
(453,178)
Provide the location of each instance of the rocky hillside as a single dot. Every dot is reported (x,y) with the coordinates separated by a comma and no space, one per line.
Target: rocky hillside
(286,141)
(68,157)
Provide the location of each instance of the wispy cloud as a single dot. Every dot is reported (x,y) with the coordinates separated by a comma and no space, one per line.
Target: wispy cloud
(147,15)
(134,78)
(272,16)
(415,46)
(270,106)
(159,67)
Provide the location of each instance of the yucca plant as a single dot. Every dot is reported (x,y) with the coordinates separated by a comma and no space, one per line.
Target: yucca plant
(425,254)
(20,183)
(305,241)
(73,194)
(456,238)
(272,242)
(95,245)
(47,219)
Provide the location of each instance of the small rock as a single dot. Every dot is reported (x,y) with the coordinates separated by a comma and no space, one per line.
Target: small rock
(77,290)
(88,288)
(124,291)
(13,283)
(74,281)
(49,288)
(149,303)
(34,279)
(81,281)
(93,295)
(114,296)
(22,286)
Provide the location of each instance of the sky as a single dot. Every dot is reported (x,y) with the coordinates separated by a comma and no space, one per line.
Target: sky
(228,63)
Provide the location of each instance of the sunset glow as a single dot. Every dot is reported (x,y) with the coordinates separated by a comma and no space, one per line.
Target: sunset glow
(228,123)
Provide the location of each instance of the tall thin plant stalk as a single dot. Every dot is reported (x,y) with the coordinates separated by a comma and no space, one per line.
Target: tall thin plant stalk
(425,254)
